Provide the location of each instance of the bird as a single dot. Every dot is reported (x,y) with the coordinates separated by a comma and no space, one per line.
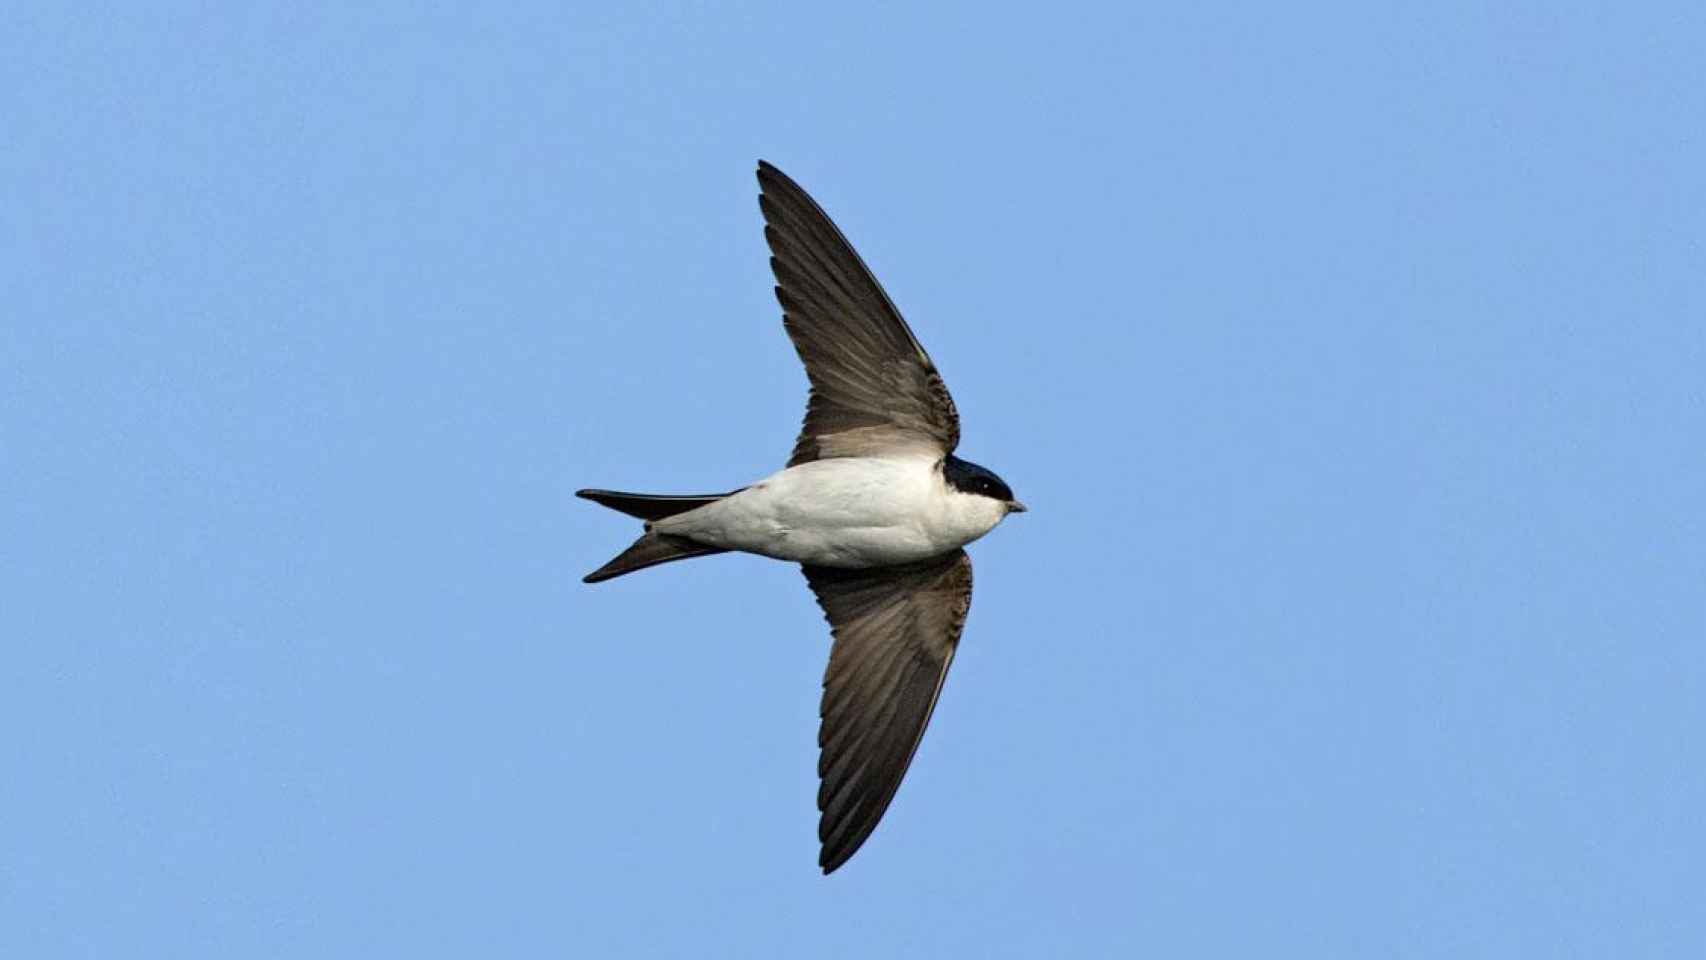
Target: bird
(872,504)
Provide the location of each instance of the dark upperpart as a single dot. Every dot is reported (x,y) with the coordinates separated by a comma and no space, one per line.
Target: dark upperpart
(968,477)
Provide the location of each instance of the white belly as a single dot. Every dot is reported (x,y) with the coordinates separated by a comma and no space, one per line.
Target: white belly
(846,512)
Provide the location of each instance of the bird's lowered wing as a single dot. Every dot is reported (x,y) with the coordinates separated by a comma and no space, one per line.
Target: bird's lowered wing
(896,629)
(873,388)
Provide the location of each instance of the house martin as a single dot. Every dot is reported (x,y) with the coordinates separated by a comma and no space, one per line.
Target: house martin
(873,505)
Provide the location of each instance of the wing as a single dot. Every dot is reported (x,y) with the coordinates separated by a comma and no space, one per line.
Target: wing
(896,629)
(874,389)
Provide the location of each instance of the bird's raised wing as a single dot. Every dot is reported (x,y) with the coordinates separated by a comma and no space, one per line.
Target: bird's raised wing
(896,629)
(874,389)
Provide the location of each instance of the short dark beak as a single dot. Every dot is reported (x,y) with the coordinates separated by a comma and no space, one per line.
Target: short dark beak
(1014,506)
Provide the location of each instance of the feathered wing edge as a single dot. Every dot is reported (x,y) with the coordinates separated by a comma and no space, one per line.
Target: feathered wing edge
(896,630)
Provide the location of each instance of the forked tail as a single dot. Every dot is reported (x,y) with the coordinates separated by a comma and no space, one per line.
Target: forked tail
(652,548)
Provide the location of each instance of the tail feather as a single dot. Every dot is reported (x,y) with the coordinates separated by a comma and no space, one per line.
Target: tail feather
(650,506)
(652,548)
(649,551)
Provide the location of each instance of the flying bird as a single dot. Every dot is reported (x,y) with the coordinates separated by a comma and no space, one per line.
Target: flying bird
(872,504)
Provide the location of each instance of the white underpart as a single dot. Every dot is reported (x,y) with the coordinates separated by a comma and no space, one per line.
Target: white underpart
(844,512)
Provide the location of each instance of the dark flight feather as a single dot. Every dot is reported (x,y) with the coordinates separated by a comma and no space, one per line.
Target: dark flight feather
(873,388)
(650,506)
(649,551)
(896,629)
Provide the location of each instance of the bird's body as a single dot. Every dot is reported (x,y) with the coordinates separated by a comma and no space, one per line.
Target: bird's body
(872,504)
(851,512)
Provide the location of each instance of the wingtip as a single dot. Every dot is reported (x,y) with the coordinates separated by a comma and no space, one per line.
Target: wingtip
(770,175)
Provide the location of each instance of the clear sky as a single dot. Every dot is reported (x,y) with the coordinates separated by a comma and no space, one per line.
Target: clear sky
(1351,362)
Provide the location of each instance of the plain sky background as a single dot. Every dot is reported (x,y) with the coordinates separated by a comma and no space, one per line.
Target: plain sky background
(1352,361)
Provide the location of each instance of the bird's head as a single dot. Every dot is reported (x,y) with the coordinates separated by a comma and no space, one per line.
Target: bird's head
(968,477)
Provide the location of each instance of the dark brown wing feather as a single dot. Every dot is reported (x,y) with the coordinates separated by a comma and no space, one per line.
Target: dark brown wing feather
(874,389)
(896,629)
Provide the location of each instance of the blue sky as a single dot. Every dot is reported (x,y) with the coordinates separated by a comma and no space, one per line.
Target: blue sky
(1349,357)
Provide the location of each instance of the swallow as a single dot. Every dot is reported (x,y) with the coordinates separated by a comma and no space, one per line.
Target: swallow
(872,504)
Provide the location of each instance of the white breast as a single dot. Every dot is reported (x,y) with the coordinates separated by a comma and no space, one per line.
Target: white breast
(845,512)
